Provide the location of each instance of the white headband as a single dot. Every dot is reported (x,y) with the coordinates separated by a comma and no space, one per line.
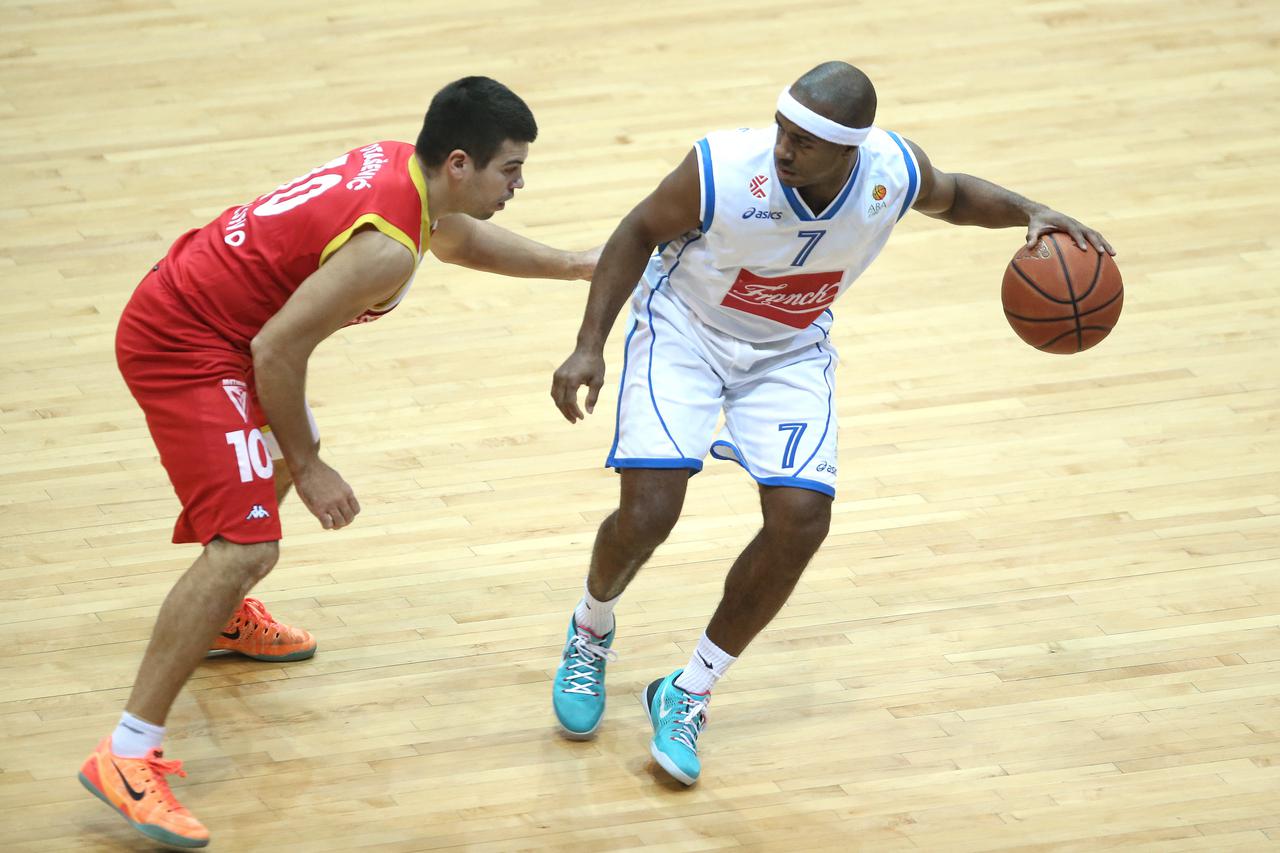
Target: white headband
(820,126)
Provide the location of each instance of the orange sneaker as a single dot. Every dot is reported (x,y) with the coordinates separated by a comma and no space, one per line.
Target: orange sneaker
(253,633)
(136,788)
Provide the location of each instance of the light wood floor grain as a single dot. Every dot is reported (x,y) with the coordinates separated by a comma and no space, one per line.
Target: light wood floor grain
(1048,614)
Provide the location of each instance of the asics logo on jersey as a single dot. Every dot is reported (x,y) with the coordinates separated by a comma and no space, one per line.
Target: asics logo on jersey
(825,466)
(257,512)
(756,186)
(752,213)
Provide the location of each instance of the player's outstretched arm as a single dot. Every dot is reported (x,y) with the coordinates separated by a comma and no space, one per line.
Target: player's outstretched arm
(367,270)
(463,240)
(965,200)
(671,210)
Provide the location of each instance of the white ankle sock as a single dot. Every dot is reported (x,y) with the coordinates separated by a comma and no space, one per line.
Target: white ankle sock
(134,738)
(708,665)
(595,615)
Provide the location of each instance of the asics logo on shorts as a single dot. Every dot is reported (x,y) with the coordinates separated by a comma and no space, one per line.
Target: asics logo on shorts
(257,512)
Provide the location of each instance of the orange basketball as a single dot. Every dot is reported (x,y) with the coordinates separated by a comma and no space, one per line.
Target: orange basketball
(1061,298)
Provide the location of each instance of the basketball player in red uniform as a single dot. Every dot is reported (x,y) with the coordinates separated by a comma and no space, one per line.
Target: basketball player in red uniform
(214,346)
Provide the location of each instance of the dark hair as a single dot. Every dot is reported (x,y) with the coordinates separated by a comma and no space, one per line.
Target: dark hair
(477,115)
(840,92)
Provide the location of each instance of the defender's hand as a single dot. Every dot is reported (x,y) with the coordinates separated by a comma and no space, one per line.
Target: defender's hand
(586,263)
(327,495)
(581,368)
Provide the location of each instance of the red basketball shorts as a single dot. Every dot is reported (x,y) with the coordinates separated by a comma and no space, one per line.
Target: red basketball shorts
(197,392)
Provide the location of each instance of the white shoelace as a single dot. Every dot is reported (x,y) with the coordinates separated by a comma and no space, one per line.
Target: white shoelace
(688,727)
(583,675)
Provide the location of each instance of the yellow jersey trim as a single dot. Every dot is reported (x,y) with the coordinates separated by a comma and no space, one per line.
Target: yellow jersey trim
(420,182)
(377,222)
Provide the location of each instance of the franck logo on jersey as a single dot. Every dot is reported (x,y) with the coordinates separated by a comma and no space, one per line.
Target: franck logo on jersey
(794,300)
(878,192)
(757,186)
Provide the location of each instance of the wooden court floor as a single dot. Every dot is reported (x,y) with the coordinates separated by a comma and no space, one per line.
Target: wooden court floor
(1047,616)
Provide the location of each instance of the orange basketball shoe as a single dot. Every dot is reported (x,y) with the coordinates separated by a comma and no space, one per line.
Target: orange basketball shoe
(136,788)
(253,633)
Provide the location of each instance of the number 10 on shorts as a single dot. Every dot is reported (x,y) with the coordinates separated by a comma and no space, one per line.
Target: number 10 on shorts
(251,454)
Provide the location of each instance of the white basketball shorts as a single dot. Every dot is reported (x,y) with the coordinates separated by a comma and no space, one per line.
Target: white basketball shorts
(679,374)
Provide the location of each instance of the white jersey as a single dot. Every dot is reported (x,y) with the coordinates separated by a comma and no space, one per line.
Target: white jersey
(763,266)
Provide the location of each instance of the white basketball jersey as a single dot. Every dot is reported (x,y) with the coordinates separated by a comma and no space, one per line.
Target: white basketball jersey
(763,266)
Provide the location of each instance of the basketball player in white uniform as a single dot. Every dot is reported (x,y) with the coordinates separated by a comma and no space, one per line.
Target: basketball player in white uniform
(757,234)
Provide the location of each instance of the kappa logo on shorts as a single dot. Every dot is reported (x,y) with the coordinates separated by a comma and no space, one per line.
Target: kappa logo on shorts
(757,186)
(257,512)
(238,394)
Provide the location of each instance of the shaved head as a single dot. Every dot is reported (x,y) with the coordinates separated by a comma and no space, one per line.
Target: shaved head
(838,91)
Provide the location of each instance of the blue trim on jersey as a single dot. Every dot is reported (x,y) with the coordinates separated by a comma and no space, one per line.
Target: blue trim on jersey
(826,427)
(708,186)
(653,340)
(612,461)
(622,382)
(794,482)
(826,333)
(911,174)
(694,465)
(802,210)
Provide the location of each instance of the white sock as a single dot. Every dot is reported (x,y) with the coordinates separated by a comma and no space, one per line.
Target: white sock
(708,665)
(595,615)
(134,738)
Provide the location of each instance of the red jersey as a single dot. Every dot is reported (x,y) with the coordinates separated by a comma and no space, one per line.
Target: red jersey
(236,272)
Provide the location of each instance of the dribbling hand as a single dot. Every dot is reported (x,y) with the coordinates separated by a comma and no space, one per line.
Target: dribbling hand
(581,368)
(1047,220)
(327,495)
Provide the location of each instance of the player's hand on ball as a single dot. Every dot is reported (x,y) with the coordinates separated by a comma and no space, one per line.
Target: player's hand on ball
(1047,220)
(327,495)
(584,367)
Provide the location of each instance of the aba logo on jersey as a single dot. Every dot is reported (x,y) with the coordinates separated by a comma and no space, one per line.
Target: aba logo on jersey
(878,203)
(795,299)
(238,393)
(757,186)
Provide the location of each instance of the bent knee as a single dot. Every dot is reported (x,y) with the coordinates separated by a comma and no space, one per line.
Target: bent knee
(250,563)
(802,518)
(646,524)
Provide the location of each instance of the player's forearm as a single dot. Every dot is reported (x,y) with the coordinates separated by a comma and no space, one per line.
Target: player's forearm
(621,265)
(280,380)
(490,248)
(979,202)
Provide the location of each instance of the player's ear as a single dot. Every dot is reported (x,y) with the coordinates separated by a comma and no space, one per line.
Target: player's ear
(458,163)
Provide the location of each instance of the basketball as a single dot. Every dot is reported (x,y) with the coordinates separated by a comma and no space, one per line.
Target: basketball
(1060,298)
